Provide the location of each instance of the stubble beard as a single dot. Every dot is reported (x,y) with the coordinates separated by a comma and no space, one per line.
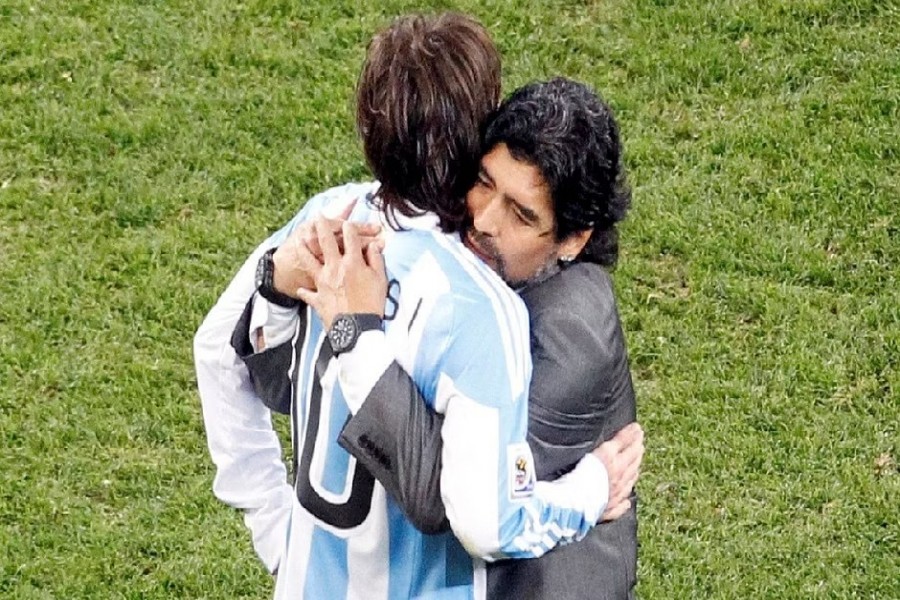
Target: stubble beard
(550,265)
(486,246)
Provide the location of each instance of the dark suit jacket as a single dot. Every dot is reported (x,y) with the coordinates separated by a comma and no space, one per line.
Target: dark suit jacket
(581,393)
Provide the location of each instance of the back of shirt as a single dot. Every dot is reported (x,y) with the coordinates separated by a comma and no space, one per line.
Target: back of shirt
(462,334)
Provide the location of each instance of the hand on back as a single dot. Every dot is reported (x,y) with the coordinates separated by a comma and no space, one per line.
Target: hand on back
(622,456)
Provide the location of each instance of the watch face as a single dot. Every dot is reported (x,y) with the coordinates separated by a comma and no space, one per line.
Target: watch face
(342,333)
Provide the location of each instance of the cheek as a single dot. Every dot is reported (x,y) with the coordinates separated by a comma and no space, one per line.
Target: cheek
(536,253)
(524,255)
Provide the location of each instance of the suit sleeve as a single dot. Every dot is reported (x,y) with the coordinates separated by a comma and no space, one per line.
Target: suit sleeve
(269,370)
(397,437)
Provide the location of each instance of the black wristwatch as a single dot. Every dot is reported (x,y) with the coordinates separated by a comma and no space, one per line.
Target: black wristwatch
(265,282)
(346,329)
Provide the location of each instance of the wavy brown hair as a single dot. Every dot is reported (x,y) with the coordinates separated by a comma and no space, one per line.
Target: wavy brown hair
(427,85)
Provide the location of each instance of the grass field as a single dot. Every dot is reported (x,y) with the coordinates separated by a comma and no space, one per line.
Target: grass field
(146,147)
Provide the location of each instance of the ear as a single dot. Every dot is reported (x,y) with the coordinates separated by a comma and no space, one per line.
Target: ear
(575,243)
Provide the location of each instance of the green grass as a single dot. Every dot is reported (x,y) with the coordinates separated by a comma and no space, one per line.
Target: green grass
(145,148)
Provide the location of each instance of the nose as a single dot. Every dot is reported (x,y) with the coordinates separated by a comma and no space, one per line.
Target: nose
(486,214)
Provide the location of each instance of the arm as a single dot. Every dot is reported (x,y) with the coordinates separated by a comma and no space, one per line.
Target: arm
(493,511)
(397,437)
(250,474)
(269,369)
(488,485)
(488,475)
(580,394)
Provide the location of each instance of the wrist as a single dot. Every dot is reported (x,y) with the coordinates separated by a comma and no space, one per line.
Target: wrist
(265,282)
(285,278)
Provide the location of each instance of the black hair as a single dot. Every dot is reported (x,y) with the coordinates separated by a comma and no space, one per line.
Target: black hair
(568,132)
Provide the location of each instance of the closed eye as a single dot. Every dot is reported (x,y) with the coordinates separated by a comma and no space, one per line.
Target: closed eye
(524,214)
(521,218)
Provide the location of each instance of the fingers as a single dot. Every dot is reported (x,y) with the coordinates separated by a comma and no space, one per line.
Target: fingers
(622,456)
(374,257)
(307,234)
(364,231)
(628,434)
(305,237)
(352,249)
(613,512)
(345,214)
(632,455)
(631,482)
(327,241)
(306,257)
(626,439)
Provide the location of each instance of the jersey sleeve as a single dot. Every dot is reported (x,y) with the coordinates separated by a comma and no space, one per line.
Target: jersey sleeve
(250,474)
(493,502)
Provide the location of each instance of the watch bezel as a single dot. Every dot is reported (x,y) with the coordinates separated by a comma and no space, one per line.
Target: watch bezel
(359,324)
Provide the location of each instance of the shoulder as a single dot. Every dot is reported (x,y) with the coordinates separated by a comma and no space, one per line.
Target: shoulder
(472,329)
(476,304)
(480,294)
(583,291)
(576,309)
(470,285)
(332,201)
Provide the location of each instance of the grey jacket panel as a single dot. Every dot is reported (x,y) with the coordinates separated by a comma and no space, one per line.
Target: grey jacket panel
(581,388)
(269,369)
(397,437)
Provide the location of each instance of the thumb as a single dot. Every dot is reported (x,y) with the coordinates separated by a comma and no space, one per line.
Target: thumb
(309,297)
(345,214)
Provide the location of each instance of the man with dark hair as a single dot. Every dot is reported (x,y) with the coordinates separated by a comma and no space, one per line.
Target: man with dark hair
(335,533)
(552,172)
(569,133)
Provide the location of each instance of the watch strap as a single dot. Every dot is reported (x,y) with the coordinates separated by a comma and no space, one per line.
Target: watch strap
(265,282)
(368,322)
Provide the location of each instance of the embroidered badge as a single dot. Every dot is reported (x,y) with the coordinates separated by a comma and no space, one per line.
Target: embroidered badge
(521,471)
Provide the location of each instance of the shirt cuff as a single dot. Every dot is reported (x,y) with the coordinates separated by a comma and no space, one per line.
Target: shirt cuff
(591,475)
(276,322)
(362,367)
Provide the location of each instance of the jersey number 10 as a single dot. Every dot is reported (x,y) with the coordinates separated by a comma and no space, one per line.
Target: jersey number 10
(355,509)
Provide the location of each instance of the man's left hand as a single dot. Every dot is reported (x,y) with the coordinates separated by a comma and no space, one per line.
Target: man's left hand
(352,282)
(622,457)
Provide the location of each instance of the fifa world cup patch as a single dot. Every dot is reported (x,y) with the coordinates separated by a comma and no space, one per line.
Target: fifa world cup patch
(521,471)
